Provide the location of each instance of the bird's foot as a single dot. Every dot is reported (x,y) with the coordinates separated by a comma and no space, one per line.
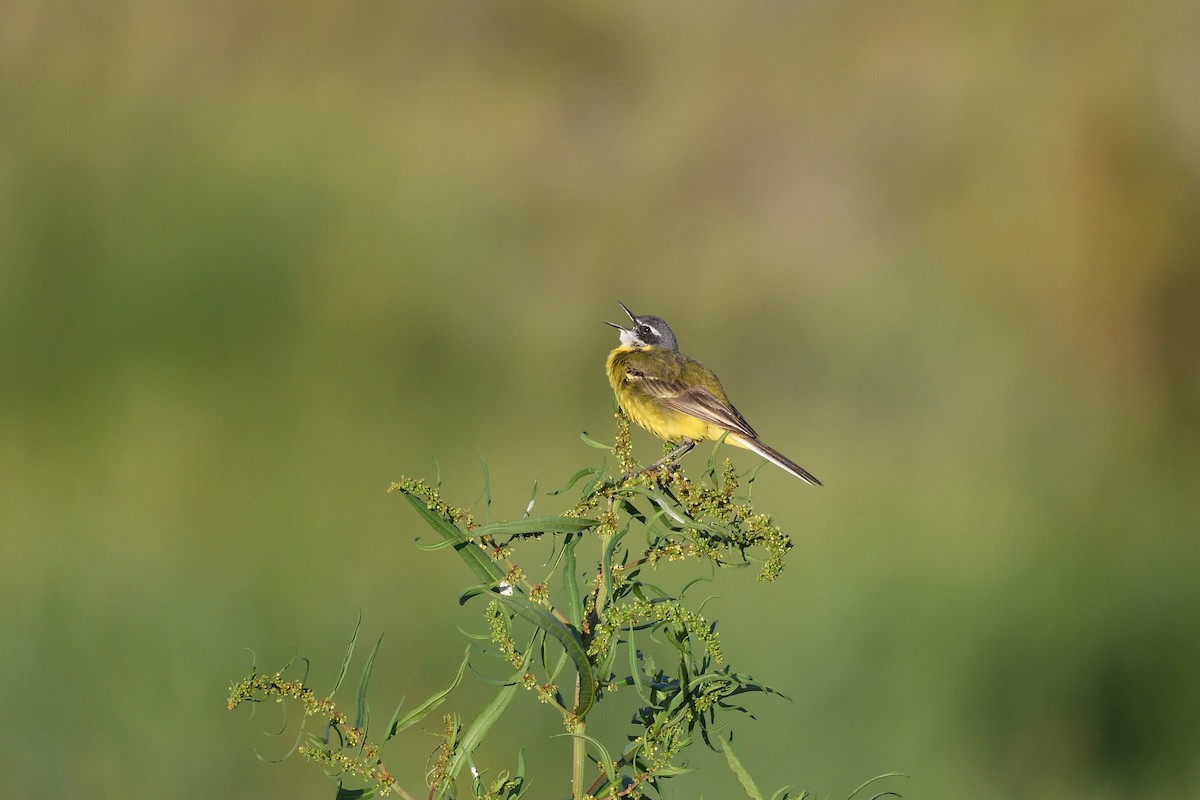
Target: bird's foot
(671,457)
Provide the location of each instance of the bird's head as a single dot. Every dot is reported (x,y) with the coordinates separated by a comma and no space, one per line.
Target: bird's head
(647,331)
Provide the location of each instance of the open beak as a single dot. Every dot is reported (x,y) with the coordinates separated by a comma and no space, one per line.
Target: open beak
(627,311)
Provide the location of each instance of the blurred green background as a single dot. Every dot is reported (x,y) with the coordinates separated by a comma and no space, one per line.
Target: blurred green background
(258,259)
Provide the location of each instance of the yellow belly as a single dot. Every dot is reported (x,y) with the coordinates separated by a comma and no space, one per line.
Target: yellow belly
(665,423)
(650,412)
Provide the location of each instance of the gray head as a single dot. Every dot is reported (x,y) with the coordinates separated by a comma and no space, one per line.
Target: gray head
(647,331)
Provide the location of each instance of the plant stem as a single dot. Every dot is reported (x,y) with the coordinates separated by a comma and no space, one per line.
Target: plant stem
(579,746)
(578,753)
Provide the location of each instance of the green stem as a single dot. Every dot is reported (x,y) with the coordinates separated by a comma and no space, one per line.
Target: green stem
(578,753)
(579,745)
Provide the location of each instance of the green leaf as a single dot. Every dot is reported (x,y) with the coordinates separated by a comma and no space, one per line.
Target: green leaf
(295,744)
(574,479)
(353,794)
(518,777)
(711,470)
(484,568)
(656,529)
(611,547)
(604,759)
(532,498)
(693,582)
(686,521)
(360,716)
(672,771)
(395,718)
(751,478)
(538,525)
(635,669)
(434,700)
(591,486)
(485,493)
(552,672)
(444,543)
(571,582)
(590,442)
(346,658)
(735,766)
(475,591)
(565,636)
(782,793)
(487,487)
(475,732)
(879,778)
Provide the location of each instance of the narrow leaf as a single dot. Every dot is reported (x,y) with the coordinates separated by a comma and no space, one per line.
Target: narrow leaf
(435,700)
(590,486)
(565,636)
(879,778)
(635,669)
(444,543)
(352,794)
(538,525)
(571,582)
(532,498)
(735,766)
(391,726)
(753,476)
(692,583)
(487,487)
(475,732)
(603,758)
(782,793)
(346,658)
(484,568)
(360,716)
(573,480)
(613,542)
(519,776)
(475,591)
(590,442)
(711,470)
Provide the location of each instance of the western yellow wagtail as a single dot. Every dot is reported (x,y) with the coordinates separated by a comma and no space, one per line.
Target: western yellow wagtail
(677,398)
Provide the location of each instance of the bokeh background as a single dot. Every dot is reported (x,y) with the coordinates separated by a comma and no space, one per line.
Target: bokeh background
(259,259)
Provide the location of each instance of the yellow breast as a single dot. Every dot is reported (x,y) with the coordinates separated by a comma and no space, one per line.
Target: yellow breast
(625,366)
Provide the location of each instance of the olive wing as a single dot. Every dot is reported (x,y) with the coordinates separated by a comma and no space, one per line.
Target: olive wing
(698,402)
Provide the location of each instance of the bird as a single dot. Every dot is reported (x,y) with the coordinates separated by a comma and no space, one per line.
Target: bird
(677,398)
